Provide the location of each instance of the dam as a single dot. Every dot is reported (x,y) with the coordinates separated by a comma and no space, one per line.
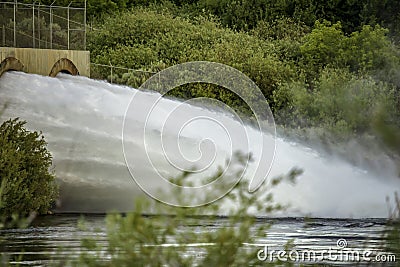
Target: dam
(82,120)
(46,62)
(42,39)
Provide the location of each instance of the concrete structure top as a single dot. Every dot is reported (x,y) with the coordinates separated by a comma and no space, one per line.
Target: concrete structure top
(49,61)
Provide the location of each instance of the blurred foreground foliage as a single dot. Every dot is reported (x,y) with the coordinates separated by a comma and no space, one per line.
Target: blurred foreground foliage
(322,67)
(392,231)
(332,65)
(163,239)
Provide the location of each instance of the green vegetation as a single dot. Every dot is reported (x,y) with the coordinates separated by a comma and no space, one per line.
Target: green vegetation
(151,41)
(246,14)
(27,185)
(17,145)
(340,102)
(141,240)
(313,76)
(330,67)
(391,235)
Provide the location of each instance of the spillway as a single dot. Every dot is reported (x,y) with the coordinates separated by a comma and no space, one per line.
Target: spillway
(82,121)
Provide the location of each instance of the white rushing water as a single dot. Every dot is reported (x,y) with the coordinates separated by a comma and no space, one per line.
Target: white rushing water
(82,121)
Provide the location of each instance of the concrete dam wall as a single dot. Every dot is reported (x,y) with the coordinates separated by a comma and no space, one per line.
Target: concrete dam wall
(47,62)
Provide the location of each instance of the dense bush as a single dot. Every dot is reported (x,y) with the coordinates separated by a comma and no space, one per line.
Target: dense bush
(339,101)
(245,14)
(27,185)
(365,50)
(280,28)
(149,40)
(320,76)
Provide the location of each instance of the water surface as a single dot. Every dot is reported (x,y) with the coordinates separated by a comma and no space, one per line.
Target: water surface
(56,238)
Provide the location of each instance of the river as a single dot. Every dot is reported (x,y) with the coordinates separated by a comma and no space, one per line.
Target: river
(55,238)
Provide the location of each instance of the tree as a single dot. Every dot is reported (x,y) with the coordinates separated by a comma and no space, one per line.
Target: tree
(27,185)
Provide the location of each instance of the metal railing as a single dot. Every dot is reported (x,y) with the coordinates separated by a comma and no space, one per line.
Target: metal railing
(42,26)
(119,75)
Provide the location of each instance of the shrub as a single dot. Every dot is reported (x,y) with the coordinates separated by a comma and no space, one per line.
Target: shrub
(369,49)
(362,51)
(280,28)
(323,45)
(326,77)
(27,185)
(338,101)
(151,41)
